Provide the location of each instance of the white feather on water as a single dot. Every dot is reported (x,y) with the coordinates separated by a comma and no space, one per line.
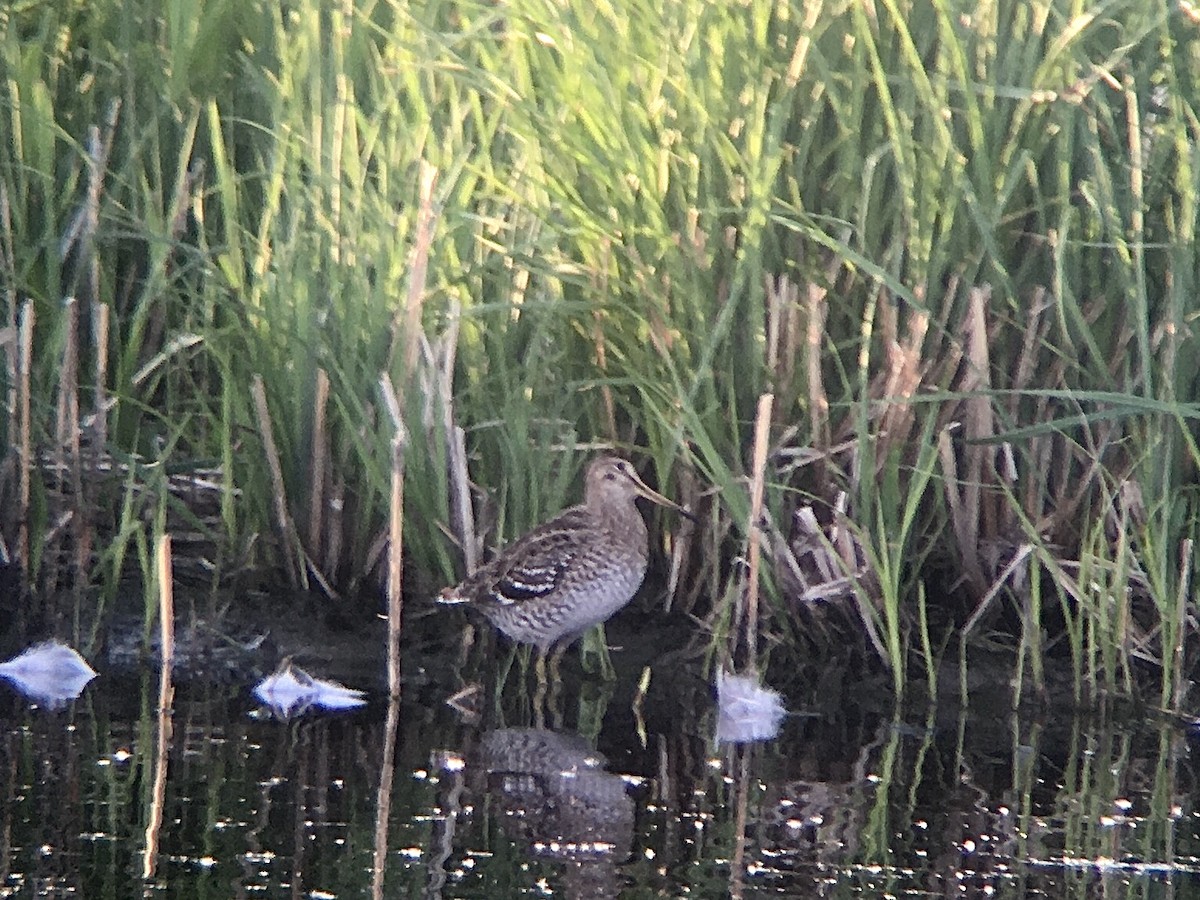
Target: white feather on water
(49,673)
(291,691)
(746,711)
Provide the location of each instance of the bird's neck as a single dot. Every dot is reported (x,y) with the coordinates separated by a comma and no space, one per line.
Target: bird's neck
(624,521)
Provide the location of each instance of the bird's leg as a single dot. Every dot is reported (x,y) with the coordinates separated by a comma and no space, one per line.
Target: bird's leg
(465,645)
(556,656)
(595,654)
(539,692)
(505,667)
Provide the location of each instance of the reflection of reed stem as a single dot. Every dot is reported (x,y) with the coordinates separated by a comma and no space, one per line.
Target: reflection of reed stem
(383,799)
(166,607)
(166,615)
(737,868)
(452,783)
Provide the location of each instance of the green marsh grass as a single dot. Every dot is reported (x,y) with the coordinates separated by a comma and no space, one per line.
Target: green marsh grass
(955,241)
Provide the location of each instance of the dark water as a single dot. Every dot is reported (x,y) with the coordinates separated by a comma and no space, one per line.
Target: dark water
(589,800)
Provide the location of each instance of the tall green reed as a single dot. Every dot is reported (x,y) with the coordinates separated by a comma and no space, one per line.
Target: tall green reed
(636,211)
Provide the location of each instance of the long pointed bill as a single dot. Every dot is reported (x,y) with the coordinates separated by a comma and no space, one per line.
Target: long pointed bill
(650,494)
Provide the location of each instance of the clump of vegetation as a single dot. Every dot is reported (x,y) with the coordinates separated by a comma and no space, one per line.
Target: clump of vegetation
(955,243)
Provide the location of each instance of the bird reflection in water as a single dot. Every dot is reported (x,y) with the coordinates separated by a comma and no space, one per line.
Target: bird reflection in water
(556,802)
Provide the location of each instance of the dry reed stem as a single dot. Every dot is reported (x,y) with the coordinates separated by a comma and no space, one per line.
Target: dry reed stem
(166,602)
(681,541)
(965,497)
(1137,216)
(100,394)
(335,528)
(762,434)
(806,522)
(24,367)
(950,360)
(7,257)
(462,512)
(783,330)
(951,482)
(818,401)
(289,539)
(395,594)
(807,29)
(395,543)
(1019,557)
(318,461)
(842,540)
(793,581)
(391,402)
(903,380)
(67,432)
(449,342)
(841,536)
(11,358)
(97,168)
(418,266)
(1181,605)
(1033,334)
(606,394)
(774,294)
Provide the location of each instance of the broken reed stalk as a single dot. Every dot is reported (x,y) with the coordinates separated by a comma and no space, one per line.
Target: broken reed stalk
(395,561)
(24,367)
(288,538)
(762,431)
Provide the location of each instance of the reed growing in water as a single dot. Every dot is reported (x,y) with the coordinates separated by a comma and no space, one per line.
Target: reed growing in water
(955,242)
